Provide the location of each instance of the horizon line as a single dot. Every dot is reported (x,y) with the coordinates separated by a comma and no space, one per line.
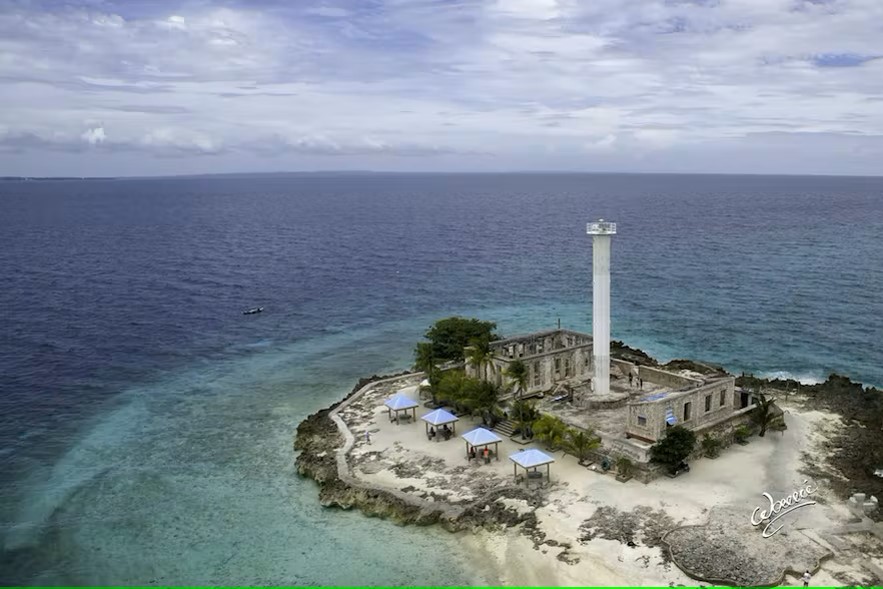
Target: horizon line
(20,178)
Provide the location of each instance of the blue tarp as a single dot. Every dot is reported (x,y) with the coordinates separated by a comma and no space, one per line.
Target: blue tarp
(670,417)
(440,417)
(399,402)
(531,458)
(481,436)
(655,396)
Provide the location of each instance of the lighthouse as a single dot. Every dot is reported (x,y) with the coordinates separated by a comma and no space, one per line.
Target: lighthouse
(601,231)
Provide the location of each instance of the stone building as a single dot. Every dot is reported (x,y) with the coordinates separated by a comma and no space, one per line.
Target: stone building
(551,357)
(697,404)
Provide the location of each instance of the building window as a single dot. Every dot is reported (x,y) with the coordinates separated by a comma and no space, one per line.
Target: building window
(642,421)
(723,397)
(557,366)
(707,403)
(687,406)
(536,374)
(567,367)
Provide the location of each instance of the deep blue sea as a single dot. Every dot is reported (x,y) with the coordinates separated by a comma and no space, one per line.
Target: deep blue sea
(146,423)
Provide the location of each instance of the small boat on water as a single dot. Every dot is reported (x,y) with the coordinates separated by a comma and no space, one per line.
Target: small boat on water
(253,311)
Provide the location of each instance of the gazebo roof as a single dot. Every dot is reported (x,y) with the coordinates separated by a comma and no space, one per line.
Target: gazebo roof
(481,436)
(531,458)
(400,401)
(425,382)
(440,417)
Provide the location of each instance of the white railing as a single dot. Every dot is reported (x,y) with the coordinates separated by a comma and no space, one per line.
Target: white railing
(601,227)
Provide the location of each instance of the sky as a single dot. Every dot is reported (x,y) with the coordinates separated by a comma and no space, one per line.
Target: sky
(120,88)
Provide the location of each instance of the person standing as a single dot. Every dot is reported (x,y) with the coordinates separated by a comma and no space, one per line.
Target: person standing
(367,437)
(806,578)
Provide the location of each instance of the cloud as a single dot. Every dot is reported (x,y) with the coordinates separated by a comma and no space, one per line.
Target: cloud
(94,136)
(630,81)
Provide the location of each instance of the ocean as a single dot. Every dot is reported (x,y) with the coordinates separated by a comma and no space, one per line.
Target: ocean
(147,423)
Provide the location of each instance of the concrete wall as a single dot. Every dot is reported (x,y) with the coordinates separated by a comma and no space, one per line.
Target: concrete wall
(666,379)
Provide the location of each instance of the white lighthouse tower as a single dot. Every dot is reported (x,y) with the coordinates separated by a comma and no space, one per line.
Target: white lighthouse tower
(601,232)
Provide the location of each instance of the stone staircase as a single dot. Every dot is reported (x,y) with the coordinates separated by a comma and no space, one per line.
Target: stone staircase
(505,428)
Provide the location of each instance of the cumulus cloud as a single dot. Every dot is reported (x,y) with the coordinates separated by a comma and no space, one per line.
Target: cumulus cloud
(470,83)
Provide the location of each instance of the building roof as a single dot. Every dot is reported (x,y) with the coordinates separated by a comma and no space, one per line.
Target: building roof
(481,437)
(531,458)
(440,417)
(400,401)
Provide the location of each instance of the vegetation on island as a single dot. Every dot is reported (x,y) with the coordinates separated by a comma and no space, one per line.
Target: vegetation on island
(580,443)
(448,338)
(742,433)
(550,430)
(517,374)
(766,414)
(711,447)
(524,414)
(675,447)
(468,396)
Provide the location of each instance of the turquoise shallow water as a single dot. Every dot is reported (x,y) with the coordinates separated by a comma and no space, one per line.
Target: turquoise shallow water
(147,425)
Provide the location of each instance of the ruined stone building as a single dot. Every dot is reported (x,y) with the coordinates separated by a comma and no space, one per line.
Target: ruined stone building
(551,357)
(635,412)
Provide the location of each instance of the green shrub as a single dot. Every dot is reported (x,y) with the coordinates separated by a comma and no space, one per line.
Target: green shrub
(711,446)
(742,432)
(674,448)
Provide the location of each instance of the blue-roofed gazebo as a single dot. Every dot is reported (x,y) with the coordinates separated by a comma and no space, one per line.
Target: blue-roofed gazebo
(398,403)
(482,437)
(440,418)
(530,460)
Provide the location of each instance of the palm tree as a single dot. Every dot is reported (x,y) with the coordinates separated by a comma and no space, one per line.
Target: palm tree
(479,354)
(424,361)
(517,372)
(767,414)
(580,443)
(550,430)
(524,414)
(483,399)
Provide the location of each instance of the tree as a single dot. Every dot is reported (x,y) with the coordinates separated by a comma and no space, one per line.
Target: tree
(624,466)
(674,448)
(424,361)
(483,398)
(580,443)
(479,354)
(767,414)
(517,372)
(524,414)
(450,388)
(550,430)
(450,336)
(710,446)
